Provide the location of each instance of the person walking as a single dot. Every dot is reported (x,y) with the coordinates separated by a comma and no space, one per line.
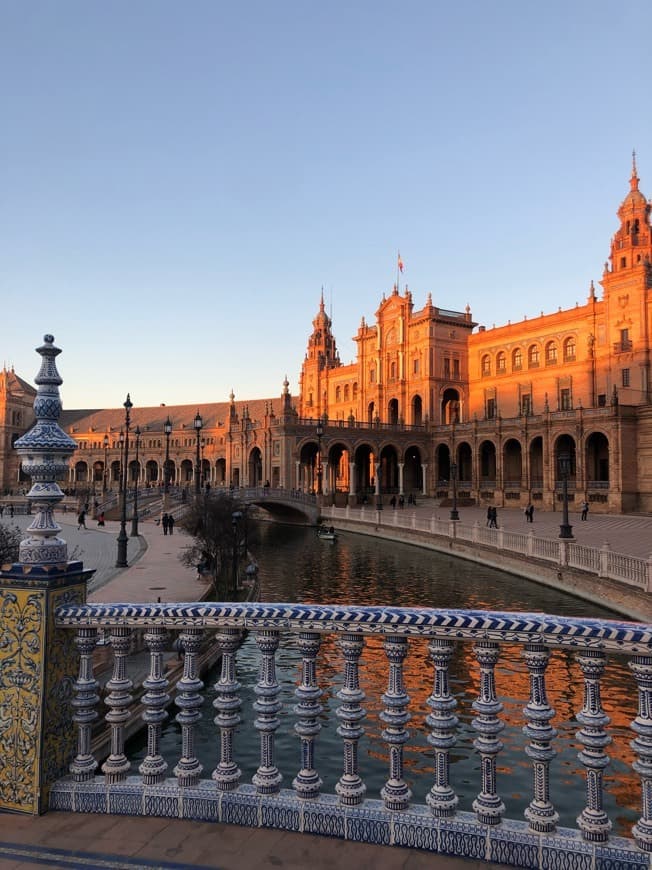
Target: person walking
(100,519)
(81,520)
(585,510)
(171,523)
(165,522)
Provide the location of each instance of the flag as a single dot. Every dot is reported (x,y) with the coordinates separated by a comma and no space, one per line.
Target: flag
(400,262)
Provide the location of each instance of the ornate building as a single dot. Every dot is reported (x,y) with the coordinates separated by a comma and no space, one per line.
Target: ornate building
(508,412)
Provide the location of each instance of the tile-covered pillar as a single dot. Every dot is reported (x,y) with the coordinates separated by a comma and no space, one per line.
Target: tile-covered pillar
(38,662)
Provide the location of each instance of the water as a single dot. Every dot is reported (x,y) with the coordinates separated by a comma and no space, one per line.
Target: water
(296,567)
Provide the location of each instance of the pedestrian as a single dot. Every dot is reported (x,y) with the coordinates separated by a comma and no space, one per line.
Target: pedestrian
(401,502)
(2,511)
(81,520)
(493,523)
(392,501)
(100,519)
(531,514)
(585,510)
(489,516)
(171,523)
(165,521)
(11,511)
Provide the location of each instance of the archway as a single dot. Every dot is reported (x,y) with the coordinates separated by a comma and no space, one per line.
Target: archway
(488,465)
(597,460)
(417,411)
(151,471)
(388,469)
(536,464)
(98,472)
(392,412)
(220,472)
(81,472)
(464,465)
(512,464)
(412,471)
(365,472)
(450,406)
(186,471)
(255,468)
(337,471)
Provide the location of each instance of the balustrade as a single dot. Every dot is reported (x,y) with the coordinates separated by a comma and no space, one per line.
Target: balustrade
(396,818)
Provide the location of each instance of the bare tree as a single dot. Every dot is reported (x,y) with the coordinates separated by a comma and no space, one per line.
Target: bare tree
(209,522)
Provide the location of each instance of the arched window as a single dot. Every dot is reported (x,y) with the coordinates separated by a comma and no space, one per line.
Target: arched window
(355,391)
(569,349)
(372,376)
(346,392)
(338,394)
(517,359)
(551,353)
(501,362)
(486,365)
(392,371)
(533,356)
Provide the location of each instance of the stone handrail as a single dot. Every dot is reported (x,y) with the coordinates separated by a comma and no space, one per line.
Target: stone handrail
(604,562)
(436,825)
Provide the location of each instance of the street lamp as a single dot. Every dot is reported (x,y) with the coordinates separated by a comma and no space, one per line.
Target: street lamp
(320,433)
(134,518)
(167,428)
(235,516)
(198,423)
(564,463)
(121,444)
(454,513)
(121,561)
(105,443)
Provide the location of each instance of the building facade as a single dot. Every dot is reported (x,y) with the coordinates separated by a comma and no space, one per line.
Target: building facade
(508,414)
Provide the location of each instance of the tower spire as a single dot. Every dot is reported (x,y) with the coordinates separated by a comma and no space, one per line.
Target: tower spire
(633,182)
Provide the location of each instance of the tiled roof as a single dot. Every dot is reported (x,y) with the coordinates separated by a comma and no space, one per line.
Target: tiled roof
(214,414)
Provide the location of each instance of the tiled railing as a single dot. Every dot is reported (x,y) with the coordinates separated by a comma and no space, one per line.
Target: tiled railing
(484,640)
(603,561)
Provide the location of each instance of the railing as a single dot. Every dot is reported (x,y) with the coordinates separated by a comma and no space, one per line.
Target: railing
(630,570)
(481,639)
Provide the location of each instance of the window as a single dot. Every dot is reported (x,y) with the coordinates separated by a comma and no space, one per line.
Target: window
(533,356)
(602,400)
(415,366)
(623,262)
(392,371)
(346,392)
(355,391)
(517,359)
(526,404)
(625,343)
(338,394)
(501,362)
(569,349)
(565,403)
(491,409)
(486,365)
(625,373)
(456,368)
(551,353)
(447,367)
(372,376)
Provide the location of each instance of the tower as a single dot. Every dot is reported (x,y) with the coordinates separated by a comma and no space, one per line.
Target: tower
(321,356)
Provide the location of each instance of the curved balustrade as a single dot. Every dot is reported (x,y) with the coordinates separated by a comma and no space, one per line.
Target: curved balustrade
(436,824)
(604,562)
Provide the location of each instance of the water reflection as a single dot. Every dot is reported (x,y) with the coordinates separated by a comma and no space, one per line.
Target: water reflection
(296,567)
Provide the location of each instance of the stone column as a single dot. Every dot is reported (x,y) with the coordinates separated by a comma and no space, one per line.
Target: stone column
(38,662)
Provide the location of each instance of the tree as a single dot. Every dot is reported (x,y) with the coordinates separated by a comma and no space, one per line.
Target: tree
(10,538)
(209,522)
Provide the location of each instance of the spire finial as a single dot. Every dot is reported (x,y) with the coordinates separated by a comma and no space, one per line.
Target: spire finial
(633,182)
(321,301)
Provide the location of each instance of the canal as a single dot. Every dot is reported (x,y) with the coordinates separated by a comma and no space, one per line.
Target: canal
(296,567)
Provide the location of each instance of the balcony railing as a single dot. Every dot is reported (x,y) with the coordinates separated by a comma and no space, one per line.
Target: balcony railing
(181,788)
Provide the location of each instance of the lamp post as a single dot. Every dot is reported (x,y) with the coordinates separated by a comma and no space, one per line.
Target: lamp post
(235,516)
(134,518)
(167,428)
(320,434)
(121,561)
(198,423)
(121,444)
(105,443)
(454,513)
(564,462)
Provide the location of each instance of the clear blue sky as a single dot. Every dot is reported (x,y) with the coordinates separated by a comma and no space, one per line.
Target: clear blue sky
(179,179)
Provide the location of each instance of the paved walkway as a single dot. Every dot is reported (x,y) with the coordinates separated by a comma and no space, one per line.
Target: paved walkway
(68,840)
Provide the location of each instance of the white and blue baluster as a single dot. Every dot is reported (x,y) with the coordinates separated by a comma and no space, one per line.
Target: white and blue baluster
(443,723)
(84,703)
(350,788)
(155,700)
(118,701)
(395,793)
(267,778)
(227,703)
(593,820)
(188,700)
(307,782)
(541,814)
(641,667)
(488,806)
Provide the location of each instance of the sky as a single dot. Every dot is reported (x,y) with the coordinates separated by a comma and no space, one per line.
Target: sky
(179,181)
